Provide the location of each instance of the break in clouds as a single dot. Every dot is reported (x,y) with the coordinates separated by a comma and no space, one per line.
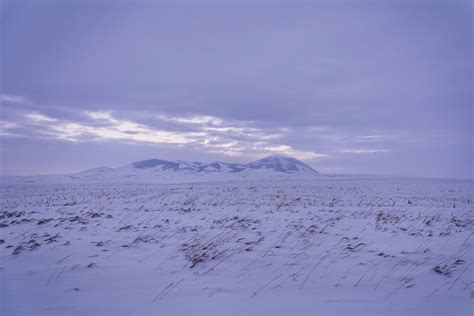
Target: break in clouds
(201,132)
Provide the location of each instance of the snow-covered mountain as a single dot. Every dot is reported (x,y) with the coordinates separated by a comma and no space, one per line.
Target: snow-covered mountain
(186,166)
(96,171)
(274,166)
(281,164)
(274,163)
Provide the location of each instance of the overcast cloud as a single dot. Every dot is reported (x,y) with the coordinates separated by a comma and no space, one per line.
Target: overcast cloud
(380,87)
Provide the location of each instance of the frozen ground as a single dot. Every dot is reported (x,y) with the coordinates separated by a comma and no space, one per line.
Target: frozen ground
(329,246)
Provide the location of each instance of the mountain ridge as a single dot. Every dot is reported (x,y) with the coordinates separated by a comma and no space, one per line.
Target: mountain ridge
(273,163)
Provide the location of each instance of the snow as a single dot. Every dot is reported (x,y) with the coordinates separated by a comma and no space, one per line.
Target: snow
(158,170)
(324,245)
(282,164)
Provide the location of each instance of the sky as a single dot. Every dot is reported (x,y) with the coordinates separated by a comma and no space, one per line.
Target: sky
(371,87)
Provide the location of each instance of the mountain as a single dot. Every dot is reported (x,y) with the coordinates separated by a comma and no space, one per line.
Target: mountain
(274,167)
(222,167)
(165,165)
(159,170)
(281,164)
(272,163)
(95,171)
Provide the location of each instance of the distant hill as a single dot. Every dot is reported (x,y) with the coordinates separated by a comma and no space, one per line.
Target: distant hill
(274,166)
(275,163)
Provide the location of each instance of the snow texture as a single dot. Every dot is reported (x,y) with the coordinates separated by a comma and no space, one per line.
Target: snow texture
(330,245)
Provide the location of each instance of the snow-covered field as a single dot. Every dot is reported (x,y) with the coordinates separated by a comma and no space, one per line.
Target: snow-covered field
(327,246)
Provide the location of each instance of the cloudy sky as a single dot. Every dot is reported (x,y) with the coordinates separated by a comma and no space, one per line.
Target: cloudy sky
(375,87)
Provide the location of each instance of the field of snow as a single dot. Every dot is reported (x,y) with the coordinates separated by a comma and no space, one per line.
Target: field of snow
(327,246)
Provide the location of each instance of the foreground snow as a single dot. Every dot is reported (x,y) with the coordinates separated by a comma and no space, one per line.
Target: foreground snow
(343,246)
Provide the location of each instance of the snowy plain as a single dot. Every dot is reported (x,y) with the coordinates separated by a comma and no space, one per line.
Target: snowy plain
(329,245)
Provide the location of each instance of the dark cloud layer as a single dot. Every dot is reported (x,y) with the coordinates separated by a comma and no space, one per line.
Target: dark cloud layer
(350,86)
